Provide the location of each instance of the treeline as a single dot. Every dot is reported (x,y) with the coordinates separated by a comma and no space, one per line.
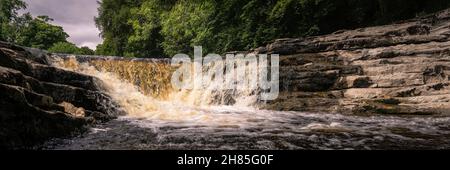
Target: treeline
(152,28)
(157,28)
(34,32)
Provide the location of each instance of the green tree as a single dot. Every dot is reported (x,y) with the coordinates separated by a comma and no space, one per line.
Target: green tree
(69,48)
(25,30)
(87,51)
(181,32)
(146,39)
(105,49)
(149,28)
(112,23)
(8,14)
(65,47)
(38,33)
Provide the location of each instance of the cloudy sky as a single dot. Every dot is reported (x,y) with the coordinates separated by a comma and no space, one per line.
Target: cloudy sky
(75,16)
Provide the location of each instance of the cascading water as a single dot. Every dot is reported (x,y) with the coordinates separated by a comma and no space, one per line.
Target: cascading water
(159,117)
(143,90)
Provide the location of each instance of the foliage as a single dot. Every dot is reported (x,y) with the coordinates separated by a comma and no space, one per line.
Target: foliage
(25,30)
(146,40)
(105,48)
(151,28)
(69,48)
(38,33)
(8,13)
(112,22)
(86,51)
(181,32)
(64,47)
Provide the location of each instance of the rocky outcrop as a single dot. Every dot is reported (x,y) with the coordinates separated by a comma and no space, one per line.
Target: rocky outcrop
(38,101)
(403,68)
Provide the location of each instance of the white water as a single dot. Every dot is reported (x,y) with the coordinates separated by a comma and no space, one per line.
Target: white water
(186,107)
(184,121)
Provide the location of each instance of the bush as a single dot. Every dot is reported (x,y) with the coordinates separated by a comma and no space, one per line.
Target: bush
(69,48)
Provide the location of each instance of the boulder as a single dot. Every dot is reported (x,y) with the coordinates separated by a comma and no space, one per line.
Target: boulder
(39,102)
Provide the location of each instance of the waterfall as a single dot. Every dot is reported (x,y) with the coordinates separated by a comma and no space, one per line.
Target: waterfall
(143,89)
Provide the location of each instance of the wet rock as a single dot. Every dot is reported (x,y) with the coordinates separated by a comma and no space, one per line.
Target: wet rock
(99,116)
(75,111)
(27,119)
(39,102)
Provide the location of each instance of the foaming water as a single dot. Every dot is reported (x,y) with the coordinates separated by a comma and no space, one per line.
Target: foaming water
(169,119)
(167,105)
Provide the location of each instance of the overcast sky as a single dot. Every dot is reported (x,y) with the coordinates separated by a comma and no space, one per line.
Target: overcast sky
(75,16)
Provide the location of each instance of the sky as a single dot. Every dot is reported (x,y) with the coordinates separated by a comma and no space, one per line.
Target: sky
(75,16)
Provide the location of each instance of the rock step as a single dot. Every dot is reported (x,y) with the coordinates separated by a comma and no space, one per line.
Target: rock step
(24,122)
(381,81)
(371,93)
(438,67)
(40,102)
(432,99)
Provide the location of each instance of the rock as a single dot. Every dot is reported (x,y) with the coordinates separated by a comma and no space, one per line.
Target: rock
(39,102)
(99,116)
(74,111)
(407,62)
(27,119)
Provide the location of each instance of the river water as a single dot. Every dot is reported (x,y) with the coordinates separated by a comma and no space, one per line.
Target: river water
(183,120)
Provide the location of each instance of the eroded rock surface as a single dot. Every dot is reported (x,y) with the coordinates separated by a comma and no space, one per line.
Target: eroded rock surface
(403,68)
(38,101)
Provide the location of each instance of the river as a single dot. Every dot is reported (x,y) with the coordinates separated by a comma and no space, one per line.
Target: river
(184,121)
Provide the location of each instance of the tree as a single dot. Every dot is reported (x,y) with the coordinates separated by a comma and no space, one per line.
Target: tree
(181,32)
(112,23)
(146,39)
(8,13)
(149,28)
(38,33)
(104,49)
(87,51)
(65,47)
(69,48)
(28,31)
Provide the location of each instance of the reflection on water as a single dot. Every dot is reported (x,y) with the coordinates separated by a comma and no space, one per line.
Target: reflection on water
(181,121)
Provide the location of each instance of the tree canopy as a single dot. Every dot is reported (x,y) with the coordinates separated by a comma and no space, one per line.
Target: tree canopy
(36,32)
(152,28)
(69,48)
(159,28)
(8,13)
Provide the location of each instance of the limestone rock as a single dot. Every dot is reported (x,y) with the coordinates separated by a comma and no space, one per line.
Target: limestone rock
(408,61)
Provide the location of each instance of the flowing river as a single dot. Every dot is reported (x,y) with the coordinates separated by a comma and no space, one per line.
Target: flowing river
(160,118)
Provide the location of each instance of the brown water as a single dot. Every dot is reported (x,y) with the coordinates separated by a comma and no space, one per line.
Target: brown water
(160,118)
